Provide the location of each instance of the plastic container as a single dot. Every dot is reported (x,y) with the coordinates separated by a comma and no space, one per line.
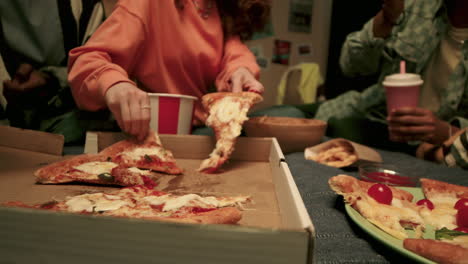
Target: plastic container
(388,174)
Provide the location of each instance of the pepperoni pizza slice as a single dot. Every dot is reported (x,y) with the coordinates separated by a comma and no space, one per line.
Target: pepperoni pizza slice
(227,113)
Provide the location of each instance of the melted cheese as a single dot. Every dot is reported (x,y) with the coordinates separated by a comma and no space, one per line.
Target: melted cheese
(388,217)
(174,203)
(95,203)
(139,153)
(139,171)
(443,214)
(226,110)
(96,167)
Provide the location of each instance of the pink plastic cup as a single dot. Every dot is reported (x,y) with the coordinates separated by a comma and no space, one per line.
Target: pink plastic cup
(402,90)
(172,113)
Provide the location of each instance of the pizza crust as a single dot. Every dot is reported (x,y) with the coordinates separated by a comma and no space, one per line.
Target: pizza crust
(438,251)
(434,188)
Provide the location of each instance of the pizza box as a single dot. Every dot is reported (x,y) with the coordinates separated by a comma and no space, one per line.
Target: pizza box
(276,228)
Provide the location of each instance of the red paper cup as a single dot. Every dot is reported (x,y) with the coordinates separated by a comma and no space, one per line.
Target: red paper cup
(172,113)
(402,90)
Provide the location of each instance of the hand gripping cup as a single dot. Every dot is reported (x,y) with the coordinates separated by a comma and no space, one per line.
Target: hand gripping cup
(171,113)
(402,90)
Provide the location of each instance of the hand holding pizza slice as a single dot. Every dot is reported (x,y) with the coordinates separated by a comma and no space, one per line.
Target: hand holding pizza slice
(227,112)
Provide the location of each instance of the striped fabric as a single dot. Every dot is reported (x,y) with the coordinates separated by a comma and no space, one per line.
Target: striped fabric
(458,156)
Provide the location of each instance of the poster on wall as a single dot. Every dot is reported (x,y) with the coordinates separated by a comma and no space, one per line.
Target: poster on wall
(300,16)
(281,52)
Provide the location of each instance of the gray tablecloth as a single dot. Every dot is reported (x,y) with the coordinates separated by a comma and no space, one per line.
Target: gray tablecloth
(339,239)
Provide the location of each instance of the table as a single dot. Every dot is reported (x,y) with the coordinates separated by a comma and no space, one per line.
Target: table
(338,239)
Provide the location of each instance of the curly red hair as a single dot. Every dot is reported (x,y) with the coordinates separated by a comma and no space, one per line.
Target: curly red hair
(241,17)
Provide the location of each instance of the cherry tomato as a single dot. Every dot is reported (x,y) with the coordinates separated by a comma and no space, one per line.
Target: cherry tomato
(427,203)
(462,203)
(381,193)
(462,229)
(462,217)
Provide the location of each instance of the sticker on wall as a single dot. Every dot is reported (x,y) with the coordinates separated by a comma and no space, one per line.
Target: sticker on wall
(258,53)
(281,52)
(263,63)
(304,50)
(300,16)
(265,33)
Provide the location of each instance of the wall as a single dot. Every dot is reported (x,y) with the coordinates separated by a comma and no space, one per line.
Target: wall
(317,39)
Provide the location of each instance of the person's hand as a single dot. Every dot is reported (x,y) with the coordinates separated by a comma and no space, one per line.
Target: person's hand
(387,17)
(243,80)
(25,81)
(130,107)
(392,9)
(417,124)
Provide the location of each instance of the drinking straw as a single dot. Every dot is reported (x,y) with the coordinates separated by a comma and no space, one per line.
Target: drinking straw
(402,67)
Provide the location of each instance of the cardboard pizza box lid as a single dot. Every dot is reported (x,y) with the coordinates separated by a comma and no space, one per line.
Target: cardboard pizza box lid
(364,153)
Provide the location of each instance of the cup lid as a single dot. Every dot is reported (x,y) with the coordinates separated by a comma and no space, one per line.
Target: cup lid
(402,79)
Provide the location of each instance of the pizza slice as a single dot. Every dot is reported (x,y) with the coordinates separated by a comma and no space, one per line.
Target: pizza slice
(442,197)
(227,113)
(149,154)
(388,208)
(92,168)
(145,203)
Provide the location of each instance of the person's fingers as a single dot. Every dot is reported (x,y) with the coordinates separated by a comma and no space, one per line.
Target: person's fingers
(412,130)
(23,72)
(412,120)
(236,84)
(256,87)
(126,116)
(145,117)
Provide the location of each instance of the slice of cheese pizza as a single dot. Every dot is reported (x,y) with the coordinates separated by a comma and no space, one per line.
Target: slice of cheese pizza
(149,154)
(388,208)
(443,197)
(145,203)
(92,168)
(227,113)
(125,163)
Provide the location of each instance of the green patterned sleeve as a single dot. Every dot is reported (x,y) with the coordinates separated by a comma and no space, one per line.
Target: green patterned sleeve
(361,52)
(457,155)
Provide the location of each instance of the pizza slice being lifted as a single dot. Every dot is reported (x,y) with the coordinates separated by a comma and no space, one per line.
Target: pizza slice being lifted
(145,203)
(125,163)
(227,113)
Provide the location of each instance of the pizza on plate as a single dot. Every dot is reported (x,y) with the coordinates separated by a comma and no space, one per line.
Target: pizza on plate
(444,208)
(227,112)
(125,163)
(387,207)
(145,203)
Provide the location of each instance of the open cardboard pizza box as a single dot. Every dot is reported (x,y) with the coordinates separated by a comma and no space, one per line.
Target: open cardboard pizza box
(275,228)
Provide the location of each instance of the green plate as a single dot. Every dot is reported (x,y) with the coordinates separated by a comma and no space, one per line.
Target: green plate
(384,237)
